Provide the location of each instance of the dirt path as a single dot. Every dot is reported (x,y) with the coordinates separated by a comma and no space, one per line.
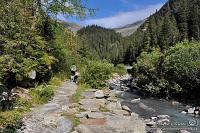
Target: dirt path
(47,118)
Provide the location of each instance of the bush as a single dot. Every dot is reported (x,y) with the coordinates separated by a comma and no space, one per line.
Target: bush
(146,71)
(42,94)
(177,70)
(95,73)
(120,69)
(10,121)
(182,65)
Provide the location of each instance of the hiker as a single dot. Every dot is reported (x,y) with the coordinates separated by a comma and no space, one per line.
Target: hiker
(74,74)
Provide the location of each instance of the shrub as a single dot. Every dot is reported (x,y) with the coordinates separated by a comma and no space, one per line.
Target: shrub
(146,71)
(42,94)
(120,69)
(177,70)
(95,73)
(182,65)
(10,121)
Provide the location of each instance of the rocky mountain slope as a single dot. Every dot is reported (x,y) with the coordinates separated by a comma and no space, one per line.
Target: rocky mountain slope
(130,28)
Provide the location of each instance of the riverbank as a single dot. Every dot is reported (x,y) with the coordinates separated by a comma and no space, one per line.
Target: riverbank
(102,111)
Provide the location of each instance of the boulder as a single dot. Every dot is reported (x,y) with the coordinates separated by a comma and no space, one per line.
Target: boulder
(175,103)
(183,112)
(163,121)
(99,94)
(191,110)
(196,112)
(163,116)
(154,118)
(135,100)
(126,108)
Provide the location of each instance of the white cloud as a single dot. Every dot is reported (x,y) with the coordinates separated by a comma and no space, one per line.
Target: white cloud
(124,18)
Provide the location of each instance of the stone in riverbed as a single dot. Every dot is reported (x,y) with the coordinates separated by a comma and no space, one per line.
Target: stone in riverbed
(150,123)
(183,112)
(113,106)
(163,116)
(135,100)
(145,107)
(163,122)
(191,110)
(99,94)
(184,131)
(126,108)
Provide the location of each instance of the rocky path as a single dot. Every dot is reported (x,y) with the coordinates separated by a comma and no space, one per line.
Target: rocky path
(48,118)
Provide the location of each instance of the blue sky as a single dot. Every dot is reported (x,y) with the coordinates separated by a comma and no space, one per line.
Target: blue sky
(117,13)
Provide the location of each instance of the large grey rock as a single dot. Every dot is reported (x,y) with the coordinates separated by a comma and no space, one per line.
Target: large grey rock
(125,124)
(114,106)
(99,94)
(91,104)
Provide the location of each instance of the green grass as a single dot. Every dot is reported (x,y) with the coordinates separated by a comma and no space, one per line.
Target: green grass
(81,88)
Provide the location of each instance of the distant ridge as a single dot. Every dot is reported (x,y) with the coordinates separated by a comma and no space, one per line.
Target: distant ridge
(69,25)
(129,28)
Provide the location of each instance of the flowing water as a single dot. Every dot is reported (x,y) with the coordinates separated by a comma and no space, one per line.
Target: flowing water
(157,107)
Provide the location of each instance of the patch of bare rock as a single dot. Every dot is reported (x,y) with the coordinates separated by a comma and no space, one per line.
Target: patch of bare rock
(102,112)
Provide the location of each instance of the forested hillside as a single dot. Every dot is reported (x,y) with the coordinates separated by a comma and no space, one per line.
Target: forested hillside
(166,49)
(176,21)
(103,43)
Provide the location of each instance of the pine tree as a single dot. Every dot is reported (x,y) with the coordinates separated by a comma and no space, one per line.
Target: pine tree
(182,18)
(194,23)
